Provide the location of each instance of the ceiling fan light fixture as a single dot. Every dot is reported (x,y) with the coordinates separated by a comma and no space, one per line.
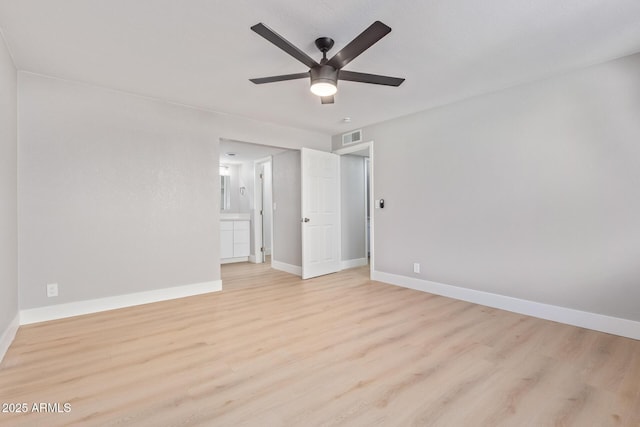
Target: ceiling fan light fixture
(324,80)
(323,88)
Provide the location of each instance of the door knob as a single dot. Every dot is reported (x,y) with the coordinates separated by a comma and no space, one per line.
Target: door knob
(306,220)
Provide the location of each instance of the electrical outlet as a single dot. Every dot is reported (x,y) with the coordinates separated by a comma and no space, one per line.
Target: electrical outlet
(416,267)
(52,290)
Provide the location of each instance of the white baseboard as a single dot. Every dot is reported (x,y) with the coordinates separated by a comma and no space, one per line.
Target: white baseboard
(8,335)
(231,260)
(252,259)
(598,322)
(293,269)
(351,263)
(59,311)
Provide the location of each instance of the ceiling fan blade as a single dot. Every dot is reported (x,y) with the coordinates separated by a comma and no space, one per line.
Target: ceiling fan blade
(327,99)
(281,78)
(364,41)
(375,79)
(283,44)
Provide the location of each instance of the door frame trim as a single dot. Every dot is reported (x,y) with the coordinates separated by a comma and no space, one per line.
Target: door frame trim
(257,221)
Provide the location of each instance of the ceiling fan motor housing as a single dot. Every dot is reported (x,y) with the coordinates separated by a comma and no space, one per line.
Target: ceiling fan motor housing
(324,74)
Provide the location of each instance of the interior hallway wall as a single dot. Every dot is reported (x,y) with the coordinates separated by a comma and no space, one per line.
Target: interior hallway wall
(287,233)
(352,206)
(530,192)
(8,198)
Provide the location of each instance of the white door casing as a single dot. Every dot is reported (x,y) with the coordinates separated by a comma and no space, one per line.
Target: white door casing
(259,209)
(320,213)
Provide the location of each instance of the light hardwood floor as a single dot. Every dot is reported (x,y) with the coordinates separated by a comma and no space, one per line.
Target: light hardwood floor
(336,350)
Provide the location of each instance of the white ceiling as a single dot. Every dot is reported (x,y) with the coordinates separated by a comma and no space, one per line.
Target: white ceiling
(202,52)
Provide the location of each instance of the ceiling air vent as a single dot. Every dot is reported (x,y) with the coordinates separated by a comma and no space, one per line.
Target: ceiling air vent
(352,137)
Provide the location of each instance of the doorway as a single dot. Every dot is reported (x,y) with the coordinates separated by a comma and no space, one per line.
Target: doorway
(357,205)
(241,218)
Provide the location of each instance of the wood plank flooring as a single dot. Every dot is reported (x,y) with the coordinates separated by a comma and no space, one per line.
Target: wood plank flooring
(272,350)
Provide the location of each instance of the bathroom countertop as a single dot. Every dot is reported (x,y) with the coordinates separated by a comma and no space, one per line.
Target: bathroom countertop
(235,217)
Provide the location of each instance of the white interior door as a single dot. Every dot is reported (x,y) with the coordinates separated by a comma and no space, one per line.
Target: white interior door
(320,213)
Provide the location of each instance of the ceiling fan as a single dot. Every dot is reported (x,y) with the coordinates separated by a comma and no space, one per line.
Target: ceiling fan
(325,74)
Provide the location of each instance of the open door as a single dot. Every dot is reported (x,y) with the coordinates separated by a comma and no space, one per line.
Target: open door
(320,213)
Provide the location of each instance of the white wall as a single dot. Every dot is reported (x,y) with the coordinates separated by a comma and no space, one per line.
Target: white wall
(8,199)
(119,193)
(532,192)
(352,206)
(287,233)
